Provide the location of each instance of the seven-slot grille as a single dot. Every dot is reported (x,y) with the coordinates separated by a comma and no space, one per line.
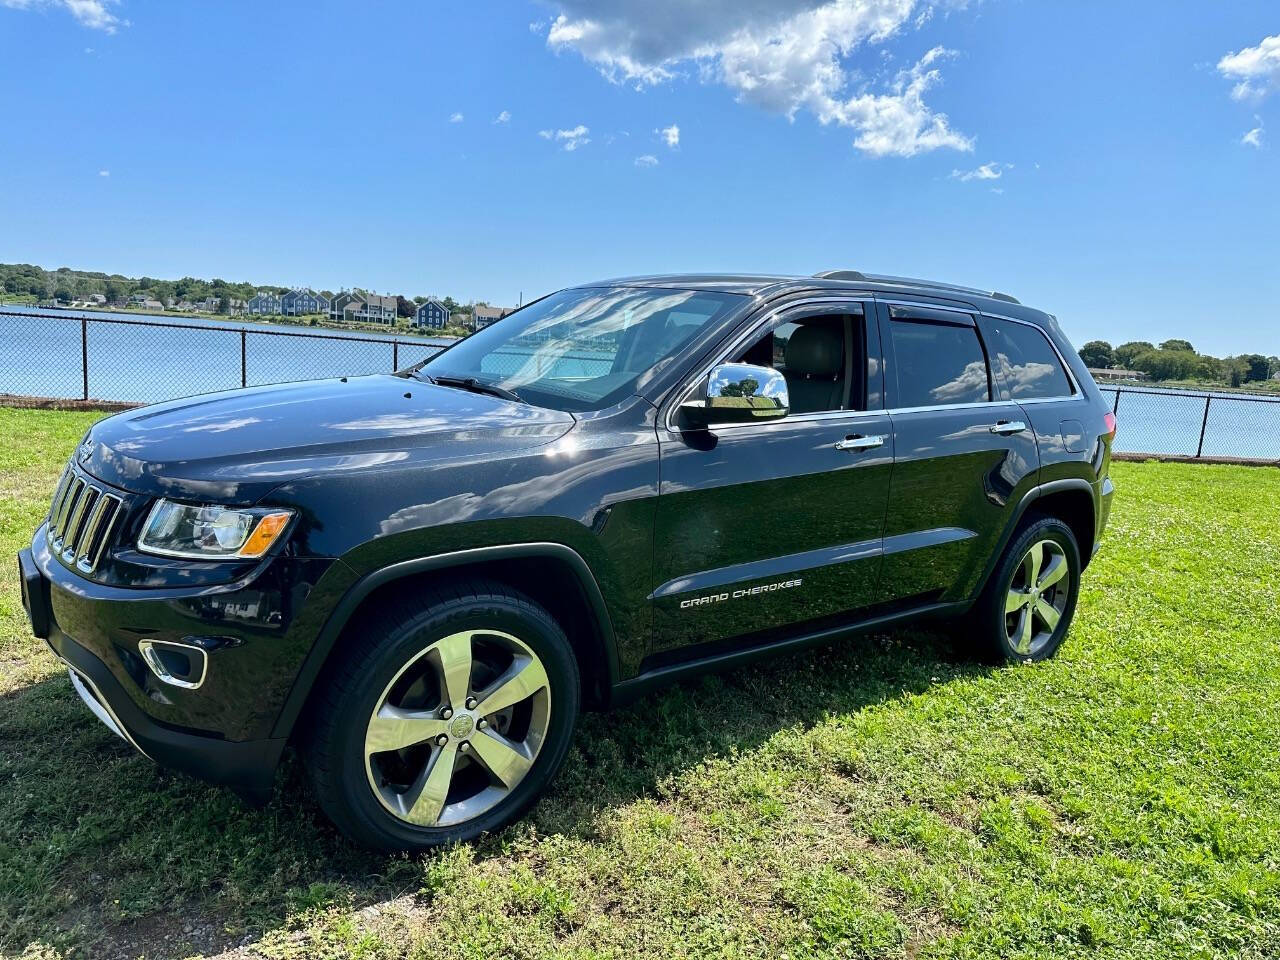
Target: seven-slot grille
(80,521)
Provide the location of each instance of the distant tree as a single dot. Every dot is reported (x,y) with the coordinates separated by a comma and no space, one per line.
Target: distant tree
(1097,354)
(224,304)
(1125,353)
(115,290)
(1253,366)
(1178,345)
(63,294)
(1168,364)
(404,308)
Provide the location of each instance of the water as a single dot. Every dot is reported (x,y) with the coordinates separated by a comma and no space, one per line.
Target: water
(41,356)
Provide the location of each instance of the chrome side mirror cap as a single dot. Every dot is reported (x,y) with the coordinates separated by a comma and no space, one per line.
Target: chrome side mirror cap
(738,393)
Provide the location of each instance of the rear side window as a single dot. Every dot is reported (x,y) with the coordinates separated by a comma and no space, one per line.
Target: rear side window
(1025,365)
(938,364)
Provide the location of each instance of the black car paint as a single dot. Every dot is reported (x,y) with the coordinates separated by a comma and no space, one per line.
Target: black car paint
(391,476)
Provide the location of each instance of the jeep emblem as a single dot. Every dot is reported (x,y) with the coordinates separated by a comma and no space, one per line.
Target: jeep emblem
(86,451)
(461,727)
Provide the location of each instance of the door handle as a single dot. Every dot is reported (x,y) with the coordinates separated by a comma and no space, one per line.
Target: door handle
(1007,427)
(859,442)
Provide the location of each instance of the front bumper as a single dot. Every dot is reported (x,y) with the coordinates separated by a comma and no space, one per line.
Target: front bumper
(201,731)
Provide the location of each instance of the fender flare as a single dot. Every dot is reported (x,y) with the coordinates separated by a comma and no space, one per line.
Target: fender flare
(327,638)
(1028,498)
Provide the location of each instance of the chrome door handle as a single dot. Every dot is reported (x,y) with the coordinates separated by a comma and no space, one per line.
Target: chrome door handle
(1006,427)
(860,443)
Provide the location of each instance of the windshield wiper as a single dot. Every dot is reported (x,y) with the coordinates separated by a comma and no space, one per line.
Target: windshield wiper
(476,386)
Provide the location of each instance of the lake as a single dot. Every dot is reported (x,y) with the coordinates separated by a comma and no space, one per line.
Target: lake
(41,356)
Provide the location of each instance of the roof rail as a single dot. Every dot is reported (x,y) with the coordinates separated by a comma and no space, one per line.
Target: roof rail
(912,281)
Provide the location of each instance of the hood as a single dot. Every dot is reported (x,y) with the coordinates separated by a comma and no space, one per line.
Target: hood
(235,447)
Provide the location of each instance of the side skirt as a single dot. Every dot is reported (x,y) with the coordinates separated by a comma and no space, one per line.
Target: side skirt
(647,682)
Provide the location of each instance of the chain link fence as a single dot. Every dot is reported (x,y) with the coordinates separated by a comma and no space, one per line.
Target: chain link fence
(130,360)
(127,360)
(1186,423)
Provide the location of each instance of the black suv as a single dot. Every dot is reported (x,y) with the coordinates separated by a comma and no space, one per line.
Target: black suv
(419,579)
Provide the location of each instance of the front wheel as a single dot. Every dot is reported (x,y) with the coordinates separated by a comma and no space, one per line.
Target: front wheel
(444,719)
(1024,613)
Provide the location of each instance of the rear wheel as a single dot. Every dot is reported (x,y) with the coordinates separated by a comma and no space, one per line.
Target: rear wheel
(1026,609)
(443,722)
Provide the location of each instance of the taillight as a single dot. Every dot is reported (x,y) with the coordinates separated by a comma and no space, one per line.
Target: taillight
(1109,419)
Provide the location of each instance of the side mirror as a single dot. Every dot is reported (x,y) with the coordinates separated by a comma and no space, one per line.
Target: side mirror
(738,393)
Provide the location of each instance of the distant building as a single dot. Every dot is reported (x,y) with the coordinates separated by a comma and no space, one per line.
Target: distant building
(431,313)
(363,308)
(483,316)
(264,302)
(95,298)
(1116,374)
(302,301)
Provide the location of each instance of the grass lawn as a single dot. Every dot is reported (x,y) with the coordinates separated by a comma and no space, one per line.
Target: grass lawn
(879,797)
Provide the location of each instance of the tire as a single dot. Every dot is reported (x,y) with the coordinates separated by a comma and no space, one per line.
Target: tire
(996,628)
(379,778)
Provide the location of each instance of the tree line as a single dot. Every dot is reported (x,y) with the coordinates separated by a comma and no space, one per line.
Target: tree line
(1178,360)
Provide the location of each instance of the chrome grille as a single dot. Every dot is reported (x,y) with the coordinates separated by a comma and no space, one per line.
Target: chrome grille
(81,520)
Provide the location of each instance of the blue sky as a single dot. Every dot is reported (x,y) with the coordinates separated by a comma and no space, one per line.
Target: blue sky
(1114,163)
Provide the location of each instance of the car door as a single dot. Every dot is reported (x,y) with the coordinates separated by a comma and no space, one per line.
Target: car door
(1028,370)
(963,456)
(763,527)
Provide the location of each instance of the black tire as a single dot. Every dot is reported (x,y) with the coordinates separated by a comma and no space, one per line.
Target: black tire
(987,626)
(372,657)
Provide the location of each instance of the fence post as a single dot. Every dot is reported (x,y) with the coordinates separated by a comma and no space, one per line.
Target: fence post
(1203,423)
(244,358)
(84,356)
(395,355)
(1116,406)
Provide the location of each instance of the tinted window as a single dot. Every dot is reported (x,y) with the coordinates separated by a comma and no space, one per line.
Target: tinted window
(1024,362)
(816,379)
(938,364)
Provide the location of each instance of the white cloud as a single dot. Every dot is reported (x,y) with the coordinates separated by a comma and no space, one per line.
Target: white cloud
(569,139)
(647,160)
(456,118)
(1256,69)
(104,173)
(670,135)
(987,171)
(503,117)
(1253,138)
(784,56)
(88,13)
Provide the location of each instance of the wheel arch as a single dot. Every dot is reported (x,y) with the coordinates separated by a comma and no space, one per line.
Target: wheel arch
(581,611)
(1070,499)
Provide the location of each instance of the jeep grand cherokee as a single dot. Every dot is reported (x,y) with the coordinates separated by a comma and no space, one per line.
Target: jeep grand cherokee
(420,578)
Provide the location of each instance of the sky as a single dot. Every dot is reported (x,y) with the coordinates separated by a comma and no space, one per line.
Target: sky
(1113,163)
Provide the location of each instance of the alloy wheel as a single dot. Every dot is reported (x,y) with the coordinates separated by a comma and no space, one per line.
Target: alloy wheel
(1037,597)
(457,728)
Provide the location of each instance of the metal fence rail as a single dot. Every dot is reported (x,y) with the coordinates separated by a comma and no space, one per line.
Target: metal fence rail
(133,360)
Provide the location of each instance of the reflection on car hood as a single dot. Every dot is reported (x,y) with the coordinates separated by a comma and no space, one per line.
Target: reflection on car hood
(237,446)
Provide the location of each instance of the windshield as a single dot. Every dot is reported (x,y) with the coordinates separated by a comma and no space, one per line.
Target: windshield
(582,349)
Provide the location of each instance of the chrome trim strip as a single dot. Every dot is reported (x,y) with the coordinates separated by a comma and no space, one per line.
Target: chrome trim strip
(810,560)
(91,528)
(59,492)
(88,691)
(73,491)
(76,526)
(89,564)
(147,648)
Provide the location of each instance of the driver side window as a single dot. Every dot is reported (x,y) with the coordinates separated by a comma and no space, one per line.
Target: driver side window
(816,354)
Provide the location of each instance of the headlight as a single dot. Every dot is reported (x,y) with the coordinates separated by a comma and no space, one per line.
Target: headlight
(211,532)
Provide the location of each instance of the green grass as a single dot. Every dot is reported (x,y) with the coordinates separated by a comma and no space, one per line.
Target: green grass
(877,798)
